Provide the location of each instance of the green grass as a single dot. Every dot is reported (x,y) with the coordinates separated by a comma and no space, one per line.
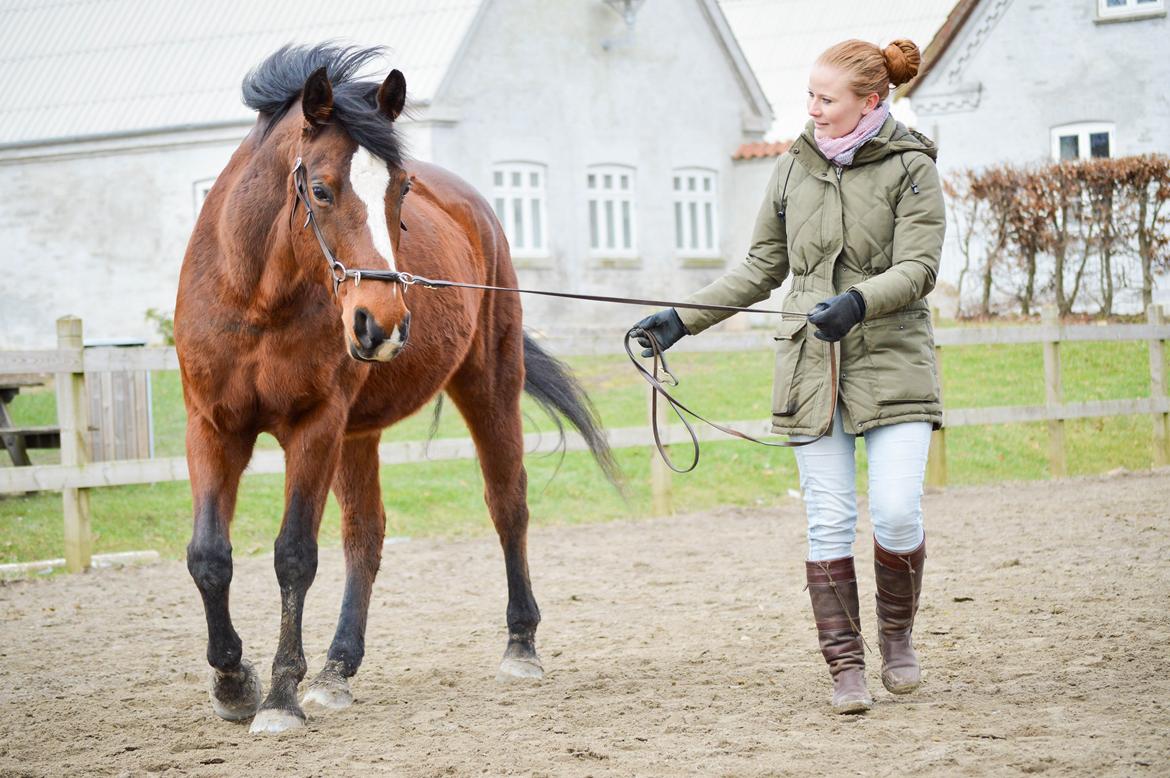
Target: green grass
(445,498)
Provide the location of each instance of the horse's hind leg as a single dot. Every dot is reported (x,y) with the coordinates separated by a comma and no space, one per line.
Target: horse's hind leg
(216,462)
(363,527)
(489,400)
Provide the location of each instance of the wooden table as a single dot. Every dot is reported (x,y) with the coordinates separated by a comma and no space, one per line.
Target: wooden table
(17,440)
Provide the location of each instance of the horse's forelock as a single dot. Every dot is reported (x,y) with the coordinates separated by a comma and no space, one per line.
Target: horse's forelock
(274,85)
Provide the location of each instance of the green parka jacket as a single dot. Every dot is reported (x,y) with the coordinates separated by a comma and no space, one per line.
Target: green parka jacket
(875,226)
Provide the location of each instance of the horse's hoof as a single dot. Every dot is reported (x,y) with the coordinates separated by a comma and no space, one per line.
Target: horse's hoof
(329,690)
(520,669)
(235,696)
(271,720)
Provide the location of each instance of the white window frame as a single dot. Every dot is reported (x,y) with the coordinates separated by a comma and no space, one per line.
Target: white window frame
(199,191)
(695,213)
(1130,9)
(612,218)
(522,186)
(1082,130)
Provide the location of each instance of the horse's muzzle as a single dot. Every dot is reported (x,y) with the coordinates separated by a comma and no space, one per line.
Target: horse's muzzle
(371,343)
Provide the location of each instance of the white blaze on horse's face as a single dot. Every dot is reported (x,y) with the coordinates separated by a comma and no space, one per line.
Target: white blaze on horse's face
(369,178)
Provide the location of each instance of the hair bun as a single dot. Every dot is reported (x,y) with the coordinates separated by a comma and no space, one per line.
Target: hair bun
(902,60)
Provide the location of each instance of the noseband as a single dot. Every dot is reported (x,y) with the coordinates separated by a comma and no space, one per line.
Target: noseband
(338,271)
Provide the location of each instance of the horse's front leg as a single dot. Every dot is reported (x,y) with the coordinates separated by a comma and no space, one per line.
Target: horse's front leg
(363,528)
(311,452)
(216,460)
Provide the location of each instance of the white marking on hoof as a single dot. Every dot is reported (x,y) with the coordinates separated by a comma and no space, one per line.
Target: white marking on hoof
(332,694)
(271,720)
(512,669)
(244,687)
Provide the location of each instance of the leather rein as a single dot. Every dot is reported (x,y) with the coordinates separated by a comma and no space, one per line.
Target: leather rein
(340,273)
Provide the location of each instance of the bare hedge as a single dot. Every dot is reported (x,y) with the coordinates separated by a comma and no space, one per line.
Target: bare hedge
(1063,232)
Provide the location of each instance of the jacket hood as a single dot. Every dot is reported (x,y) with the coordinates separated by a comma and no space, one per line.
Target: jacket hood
(892,138)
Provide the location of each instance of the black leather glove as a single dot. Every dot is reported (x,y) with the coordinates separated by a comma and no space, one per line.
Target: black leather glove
(837,315)
(667,328)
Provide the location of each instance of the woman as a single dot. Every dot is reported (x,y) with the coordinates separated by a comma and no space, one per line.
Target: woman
(854,212)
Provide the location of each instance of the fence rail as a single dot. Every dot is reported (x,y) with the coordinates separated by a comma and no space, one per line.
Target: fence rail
(77,474)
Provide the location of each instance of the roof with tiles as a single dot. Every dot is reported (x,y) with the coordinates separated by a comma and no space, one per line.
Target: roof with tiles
(761,149)
(90,68)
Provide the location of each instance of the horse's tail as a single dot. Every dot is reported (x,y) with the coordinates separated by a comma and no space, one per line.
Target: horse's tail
(551,383)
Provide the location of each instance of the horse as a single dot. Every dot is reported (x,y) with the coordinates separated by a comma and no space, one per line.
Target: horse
(273,336)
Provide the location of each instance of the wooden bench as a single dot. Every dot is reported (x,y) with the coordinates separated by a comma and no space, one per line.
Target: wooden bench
(17,440)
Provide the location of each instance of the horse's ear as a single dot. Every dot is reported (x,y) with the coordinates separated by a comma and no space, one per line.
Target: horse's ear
(392,94)
(317,97)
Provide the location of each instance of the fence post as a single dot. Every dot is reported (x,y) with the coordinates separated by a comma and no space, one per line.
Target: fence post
(1155,316)
(936,460)
(1054,391)
(661,484)
(73,418)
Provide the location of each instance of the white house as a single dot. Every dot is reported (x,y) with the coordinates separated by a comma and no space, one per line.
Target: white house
(1016,81)
(1026,81)
(602,131)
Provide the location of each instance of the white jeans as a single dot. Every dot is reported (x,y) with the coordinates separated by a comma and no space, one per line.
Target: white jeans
(828,484)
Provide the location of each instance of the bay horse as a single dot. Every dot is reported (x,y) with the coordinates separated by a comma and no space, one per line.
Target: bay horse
(271,340)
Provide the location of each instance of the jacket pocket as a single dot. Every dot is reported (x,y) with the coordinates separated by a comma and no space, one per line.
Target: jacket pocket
(789,346)
(900,353)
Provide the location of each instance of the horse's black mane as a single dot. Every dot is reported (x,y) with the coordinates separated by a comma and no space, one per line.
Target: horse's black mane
(276,83)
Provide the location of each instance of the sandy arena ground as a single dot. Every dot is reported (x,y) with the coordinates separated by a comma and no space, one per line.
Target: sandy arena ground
(671,647)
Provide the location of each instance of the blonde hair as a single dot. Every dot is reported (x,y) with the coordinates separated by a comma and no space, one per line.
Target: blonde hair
(871,69)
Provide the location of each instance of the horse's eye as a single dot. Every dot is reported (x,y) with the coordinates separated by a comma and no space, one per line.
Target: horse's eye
(405,187)
(322,194)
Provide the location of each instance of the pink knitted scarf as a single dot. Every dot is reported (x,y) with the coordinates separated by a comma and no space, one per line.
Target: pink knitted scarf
(840,151)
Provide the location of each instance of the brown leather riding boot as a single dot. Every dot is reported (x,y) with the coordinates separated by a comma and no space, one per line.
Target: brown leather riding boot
(832,586)
(899,582)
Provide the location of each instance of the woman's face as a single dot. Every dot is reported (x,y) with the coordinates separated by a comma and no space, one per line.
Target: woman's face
(833,106)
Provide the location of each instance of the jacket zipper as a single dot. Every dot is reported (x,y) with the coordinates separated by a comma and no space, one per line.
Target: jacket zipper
(839,171)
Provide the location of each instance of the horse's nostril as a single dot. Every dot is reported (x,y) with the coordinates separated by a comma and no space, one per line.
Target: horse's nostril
(365,327)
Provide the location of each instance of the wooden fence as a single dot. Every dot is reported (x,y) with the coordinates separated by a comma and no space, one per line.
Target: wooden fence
(76,474)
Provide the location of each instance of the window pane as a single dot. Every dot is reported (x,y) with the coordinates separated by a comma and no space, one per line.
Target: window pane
(594,241)
(608,181)
(592,181)
(694,219)
(627,236)
(691,183)
(1069,147)
(1115,3)
(710,214)
(1098,144)
(498,178)
(518,226)
(537,236)
(678,225)
(534,179)
(516,178)
(706,183)
(625,182)
(499,208)
(677,183)
(609,240)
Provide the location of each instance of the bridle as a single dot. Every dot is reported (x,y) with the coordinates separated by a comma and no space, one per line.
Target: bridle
(337,270)
(340,273)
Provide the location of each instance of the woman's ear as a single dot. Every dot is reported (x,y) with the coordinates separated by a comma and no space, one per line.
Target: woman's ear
(871,102)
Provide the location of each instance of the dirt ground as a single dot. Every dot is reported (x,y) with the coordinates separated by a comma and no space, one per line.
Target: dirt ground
(681,646)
